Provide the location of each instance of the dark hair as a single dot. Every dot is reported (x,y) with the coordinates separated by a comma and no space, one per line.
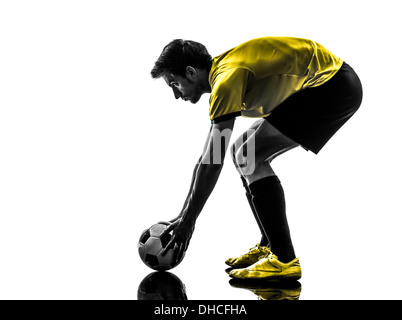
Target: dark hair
(179,54)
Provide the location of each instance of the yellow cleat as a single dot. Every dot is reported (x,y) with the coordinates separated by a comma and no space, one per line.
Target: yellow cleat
(249,258)
(270,268)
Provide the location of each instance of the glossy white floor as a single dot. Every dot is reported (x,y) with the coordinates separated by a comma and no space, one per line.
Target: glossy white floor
(93,151)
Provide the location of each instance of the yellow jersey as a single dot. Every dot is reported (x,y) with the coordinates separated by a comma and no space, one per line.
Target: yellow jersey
(253,78)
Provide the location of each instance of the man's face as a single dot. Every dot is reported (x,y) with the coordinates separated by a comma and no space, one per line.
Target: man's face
(188,87)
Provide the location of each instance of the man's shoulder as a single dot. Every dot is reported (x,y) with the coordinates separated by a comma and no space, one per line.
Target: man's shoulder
(230,78)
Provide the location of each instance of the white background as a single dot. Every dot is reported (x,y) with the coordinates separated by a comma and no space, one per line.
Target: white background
(93,151)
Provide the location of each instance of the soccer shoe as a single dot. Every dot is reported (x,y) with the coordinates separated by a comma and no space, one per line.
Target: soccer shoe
(249,258)
(270,268)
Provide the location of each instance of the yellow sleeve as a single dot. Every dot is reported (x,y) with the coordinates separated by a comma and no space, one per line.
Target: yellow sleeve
(227,93)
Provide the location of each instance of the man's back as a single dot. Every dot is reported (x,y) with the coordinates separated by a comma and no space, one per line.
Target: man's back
(267,71)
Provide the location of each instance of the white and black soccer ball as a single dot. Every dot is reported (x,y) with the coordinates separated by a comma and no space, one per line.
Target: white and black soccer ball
(151,244)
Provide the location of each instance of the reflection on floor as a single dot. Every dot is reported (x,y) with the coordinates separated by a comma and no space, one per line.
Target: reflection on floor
(162,285)
(270,290)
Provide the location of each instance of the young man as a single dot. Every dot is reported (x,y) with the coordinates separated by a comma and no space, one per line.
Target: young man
(302,94)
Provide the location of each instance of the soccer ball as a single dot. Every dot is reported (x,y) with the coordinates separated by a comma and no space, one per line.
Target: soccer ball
(151,244)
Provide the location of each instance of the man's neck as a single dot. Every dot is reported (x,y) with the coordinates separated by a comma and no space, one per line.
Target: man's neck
(204,77)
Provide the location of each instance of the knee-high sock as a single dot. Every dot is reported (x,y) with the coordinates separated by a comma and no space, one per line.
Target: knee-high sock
(269,202)
(264,240)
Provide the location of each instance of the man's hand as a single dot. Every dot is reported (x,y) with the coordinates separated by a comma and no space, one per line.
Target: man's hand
(181,235)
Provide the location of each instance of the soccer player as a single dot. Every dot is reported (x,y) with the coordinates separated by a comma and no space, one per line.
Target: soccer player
(301,94)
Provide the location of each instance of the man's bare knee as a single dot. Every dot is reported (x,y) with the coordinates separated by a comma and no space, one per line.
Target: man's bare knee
(245,158)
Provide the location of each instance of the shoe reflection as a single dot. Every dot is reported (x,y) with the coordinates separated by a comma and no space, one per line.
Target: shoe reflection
(270,290)
(161,285)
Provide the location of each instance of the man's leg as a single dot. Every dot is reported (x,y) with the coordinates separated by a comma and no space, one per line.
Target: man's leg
(267,195)
(235,148)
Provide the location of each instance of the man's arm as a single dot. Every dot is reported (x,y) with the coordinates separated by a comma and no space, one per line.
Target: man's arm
(193,177)
(205,176)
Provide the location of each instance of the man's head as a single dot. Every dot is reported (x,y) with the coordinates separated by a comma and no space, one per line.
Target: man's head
(185,66)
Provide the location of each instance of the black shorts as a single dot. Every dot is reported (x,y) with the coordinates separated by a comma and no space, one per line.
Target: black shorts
(312,116)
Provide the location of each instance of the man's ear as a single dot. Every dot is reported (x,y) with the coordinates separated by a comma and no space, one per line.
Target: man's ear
(191,72)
